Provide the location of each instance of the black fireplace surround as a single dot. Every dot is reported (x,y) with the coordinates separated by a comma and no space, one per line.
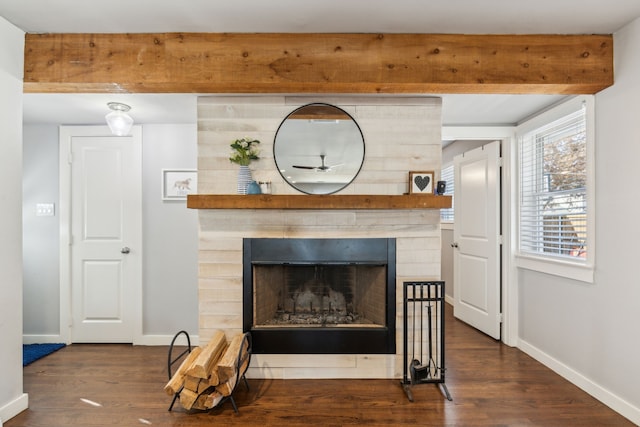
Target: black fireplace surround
(319,255)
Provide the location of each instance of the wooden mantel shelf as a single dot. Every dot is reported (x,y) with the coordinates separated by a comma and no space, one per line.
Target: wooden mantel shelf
(312,201)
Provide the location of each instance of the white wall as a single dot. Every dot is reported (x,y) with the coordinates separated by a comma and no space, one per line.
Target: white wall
(12,398)
(588,332)
(170,233)
(170,236)
(40,234)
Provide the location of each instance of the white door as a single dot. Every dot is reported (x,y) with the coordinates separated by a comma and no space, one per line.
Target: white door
(105,242)
(476,236)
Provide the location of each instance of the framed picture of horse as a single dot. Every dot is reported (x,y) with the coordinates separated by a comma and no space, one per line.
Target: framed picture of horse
(178,183)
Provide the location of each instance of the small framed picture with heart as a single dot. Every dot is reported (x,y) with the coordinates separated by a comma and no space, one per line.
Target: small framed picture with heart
(421,182)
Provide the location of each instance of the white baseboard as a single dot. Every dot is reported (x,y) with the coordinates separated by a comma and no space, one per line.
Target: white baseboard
(144,340)
(166,340)
(14,407)
(448,299)
(42,339)
(616,403)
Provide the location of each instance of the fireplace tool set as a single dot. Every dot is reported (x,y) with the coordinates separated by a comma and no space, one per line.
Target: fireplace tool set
(422,302)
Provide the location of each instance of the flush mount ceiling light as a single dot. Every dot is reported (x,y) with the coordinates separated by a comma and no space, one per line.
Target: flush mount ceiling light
(118,120)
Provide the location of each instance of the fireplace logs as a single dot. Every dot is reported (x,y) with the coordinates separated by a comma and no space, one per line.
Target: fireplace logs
(208,374)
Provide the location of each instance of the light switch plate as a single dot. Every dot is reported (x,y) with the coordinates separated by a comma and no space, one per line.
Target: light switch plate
(45,209)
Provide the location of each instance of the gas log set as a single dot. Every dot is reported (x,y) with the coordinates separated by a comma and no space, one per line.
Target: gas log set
(307,306)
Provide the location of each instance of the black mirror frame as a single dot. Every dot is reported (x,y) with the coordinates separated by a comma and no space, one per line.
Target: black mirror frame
(275,139)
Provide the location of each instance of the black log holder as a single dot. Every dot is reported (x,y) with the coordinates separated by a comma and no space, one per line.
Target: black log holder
(419,297)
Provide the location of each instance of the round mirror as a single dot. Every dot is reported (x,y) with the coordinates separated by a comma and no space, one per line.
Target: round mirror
(319,149)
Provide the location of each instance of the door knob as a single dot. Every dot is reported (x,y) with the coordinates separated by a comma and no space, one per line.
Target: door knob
(125,250)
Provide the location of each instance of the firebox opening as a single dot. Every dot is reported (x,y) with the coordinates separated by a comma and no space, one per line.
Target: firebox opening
(320,296)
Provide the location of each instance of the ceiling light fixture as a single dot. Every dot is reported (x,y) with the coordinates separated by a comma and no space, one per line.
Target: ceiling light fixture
(118,120)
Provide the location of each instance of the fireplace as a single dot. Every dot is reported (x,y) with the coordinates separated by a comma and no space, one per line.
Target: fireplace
(320,296)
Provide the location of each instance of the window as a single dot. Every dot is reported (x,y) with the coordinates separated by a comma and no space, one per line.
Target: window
(554,176)
(446,215)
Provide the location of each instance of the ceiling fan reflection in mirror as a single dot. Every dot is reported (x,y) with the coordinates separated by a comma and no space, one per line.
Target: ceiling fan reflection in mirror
(322,168)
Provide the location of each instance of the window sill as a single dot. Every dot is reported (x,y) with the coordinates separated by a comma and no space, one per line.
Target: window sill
(569,270)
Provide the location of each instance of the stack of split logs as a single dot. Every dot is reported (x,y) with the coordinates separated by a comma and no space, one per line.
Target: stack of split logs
(208,374)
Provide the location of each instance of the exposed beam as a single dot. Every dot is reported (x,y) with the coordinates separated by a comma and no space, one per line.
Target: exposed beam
(317,63)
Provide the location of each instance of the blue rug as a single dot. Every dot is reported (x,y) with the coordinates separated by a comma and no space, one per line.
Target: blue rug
(33,352)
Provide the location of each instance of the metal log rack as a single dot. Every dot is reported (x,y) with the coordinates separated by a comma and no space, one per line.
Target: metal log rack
(173,360)
(423,350)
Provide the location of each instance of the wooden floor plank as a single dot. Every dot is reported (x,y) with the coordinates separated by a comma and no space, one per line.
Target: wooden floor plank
(491,385)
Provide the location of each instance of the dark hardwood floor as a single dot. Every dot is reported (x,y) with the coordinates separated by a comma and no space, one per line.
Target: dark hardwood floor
(491,385)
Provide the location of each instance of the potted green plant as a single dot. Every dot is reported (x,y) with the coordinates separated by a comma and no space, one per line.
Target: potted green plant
(244,151)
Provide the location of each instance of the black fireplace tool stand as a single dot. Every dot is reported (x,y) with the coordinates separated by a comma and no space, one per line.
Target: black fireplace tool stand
(423,336)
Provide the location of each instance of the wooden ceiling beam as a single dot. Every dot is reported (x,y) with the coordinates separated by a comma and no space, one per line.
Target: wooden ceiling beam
(317,63)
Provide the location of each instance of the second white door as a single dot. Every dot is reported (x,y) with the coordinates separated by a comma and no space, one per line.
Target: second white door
(476,236)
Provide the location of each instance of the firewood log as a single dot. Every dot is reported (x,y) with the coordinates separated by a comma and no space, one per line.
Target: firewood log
(213,379)
(200,384)
(203,386)
(206,361)
(206,399)
(188,398)
(226,367)
(195,384)
(177,380)
(226,388)
(213,399)
(200,402)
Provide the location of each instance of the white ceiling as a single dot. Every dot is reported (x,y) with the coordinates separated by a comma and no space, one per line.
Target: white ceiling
(298,16)
(326,16)
(90,109)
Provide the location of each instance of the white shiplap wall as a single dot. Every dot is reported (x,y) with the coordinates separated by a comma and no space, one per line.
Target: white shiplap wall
(401,134)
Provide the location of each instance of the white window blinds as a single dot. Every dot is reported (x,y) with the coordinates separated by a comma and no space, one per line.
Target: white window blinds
(553,183)
(447,175)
